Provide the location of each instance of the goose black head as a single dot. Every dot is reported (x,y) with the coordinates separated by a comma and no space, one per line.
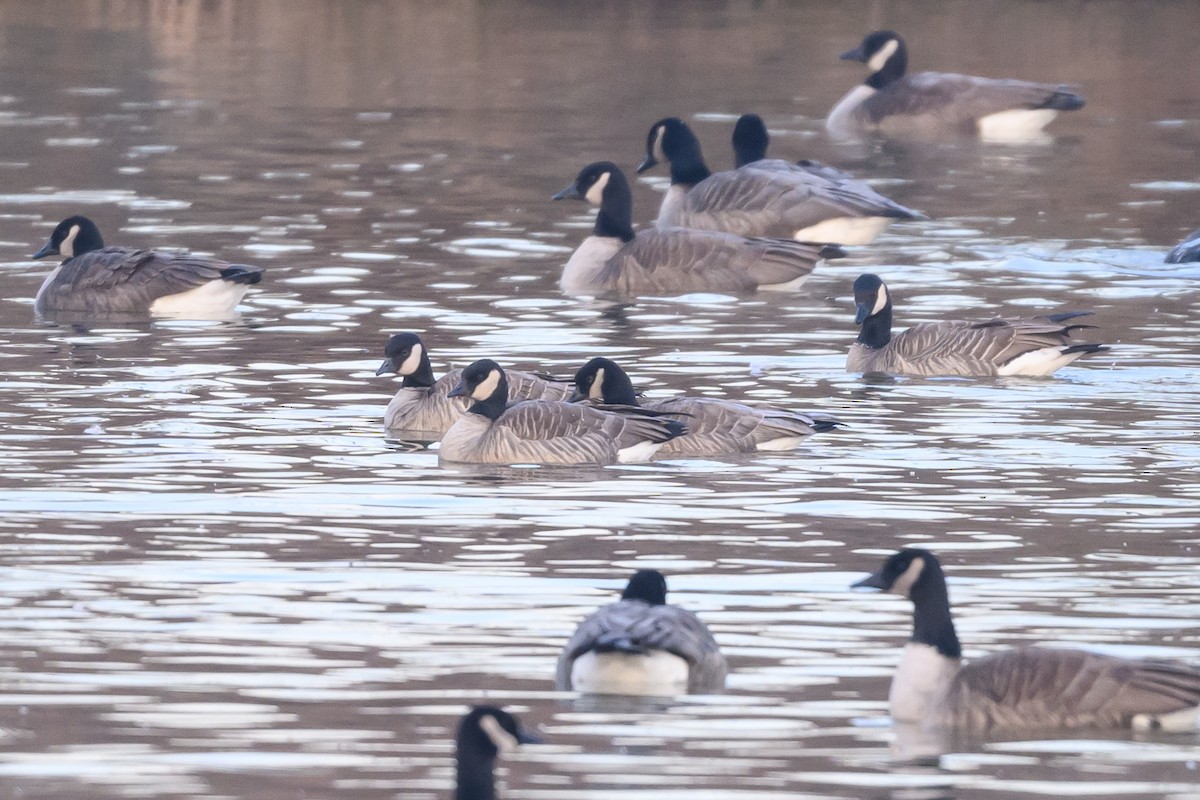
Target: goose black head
(917,574)
(647,585)
(485,384)
(603,184)
(72,237)
(901,571)
(603,381)
(484,733)
(884,54)
(671,140)
(871,297)
(750,140)
(403,355)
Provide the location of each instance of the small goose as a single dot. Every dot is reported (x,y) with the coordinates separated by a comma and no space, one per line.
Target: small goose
(483,734)
(639,645)
(1023,688)
(94,279)
(545,431)
(714,426)
(424,404)
(933,103)
(1187,250)
(764,198)
(1026,346)
(615,261)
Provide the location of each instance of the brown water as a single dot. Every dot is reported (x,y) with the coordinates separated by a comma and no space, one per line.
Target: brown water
(221,581)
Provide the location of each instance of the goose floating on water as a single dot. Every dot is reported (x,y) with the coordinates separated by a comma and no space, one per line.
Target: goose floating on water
(483,734)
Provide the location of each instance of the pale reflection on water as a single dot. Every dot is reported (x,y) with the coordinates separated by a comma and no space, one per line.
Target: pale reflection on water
(221,580)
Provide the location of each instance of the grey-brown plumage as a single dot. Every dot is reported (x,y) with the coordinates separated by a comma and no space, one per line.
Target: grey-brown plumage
(641,623)
(616,262)
(764,197)
(423,405)
(545,431)
(1024,688)
(714,426)
(94,279)
(892,102)
(1033,346)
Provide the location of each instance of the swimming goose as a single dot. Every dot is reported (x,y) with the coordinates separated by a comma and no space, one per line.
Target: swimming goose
(764,198)
(94,279)
(545,431)
(932,103)
(1187,250)
(424,404)
(1024,346)
(484,733)
(714,426)
(615,261)
(1023,688)
(639,645)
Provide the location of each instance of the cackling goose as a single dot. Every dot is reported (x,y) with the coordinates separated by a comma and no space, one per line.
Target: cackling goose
(639,645)
(1023,688)
(94,279)
(1032,346)
(764,198)
(615,261)
(932,103)
(424,404)
(545,431)
(484,733)
(1187,250)
(714,426)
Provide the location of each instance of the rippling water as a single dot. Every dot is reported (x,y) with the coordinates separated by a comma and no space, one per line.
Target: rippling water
(221,580)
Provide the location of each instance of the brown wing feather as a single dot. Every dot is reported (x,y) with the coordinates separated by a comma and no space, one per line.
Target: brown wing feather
(722,426)
(122,280)
(552,432)
(950,101)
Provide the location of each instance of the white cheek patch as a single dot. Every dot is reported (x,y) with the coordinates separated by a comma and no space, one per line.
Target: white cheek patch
(876,62)
(66,247)
(596,194)
(596,390)
(657,150)
(505,742)
(487,386)
(413,362)
(881,300)
(904,583)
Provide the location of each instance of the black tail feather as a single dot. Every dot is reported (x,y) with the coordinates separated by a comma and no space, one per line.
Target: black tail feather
(241,273)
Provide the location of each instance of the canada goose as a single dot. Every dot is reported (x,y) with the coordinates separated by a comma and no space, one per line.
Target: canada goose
(545,431)
(424,404)
(484,733)
(1028,687)
(763,198)
(95,279)
(639,645)
(714,426)
(615,261)
(932,103)
(1187,250)
(1026,346)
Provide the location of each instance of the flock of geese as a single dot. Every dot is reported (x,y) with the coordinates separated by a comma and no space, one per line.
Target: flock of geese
(763,225)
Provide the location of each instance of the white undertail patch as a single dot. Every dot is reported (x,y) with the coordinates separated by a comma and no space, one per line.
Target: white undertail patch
(505,742)
(486,387)
(636,453)
(1015,125)
(877,61)
(595,194)
(844,230)
(654,674)
(1039,362)
(213,300)
(413,362)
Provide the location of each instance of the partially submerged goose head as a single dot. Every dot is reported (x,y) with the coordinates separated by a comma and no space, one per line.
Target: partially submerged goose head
(71,237)
(484,733)
(647,585)
(603,381)
(884,54)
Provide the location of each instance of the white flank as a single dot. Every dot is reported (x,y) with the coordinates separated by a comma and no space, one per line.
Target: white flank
(786,286)
(1016,125)
(1039,362)
(782,443)
(413,362)
(635,453)
(922,677)
(840,123)
(655,674)
(213,300)
(877,61)
(844,230)
(579,275)
(1185,719)
(596,193)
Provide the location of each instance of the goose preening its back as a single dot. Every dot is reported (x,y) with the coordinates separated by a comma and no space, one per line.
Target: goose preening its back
(639,645)
(616,261)
(424,404)
(713,426)
(933,103)
(483,734)
(545,431)
(1033,346)
(1023,688)
(97,280)
(764,198)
